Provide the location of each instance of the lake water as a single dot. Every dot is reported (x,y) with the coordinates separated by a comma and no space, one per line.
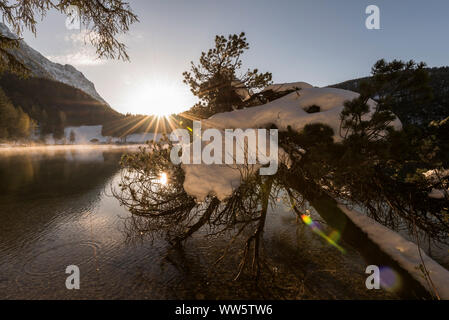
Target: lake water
(56,210)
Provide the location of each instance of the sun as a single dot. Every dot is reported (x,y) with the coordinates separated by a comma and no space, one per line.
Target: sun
(160,98)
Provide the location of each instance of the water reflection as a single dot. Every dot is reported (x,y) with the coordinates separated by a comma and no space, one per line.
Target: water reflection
(56,210)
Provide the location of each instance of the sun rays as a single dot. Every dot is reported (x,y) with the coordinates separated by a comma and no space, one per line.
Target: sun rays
(140,124)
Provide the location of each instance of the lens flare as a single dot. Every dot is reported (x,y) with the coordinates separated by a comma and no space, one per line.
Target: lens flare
(390,280)
(316,227)
(335,236)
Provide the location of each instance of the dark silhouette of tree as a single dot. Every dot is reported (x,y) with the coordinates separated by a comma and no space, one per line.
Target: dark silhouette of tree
(169,211)
(72,137)
(216,80)
(375,167)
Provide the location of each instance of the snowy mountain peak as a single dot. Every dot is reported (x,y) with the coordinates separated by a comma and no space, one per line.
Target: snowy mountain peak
(41,67)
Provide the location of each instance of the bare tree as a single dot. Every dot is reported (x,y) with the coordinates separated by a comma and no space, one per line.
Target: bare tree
(168,211)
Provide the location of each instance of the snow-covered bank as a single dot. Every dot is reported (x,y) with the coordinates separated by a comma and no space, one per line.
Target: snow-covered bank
(405,252)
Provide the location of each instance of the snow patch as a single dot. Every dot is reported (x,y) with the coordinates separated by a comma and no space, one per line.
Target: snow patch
(438,193)
(434,176)
(290,111)
(288,86)
(221,180)
(203,180)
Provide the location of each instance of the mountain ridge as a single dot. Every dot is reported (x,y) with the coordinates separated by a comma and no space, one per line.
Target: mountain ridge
(42,67)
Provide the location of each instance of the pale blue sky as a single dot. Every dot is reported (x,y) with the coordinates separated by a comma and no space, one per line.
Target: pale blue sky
(321,42)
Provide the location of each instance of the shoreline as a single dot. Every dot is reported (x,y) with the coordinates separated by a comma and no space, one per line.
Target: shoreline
(11,148)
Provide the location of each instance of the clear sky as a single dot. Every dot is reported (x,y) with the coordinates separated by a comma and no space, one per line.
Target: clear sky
(321,42)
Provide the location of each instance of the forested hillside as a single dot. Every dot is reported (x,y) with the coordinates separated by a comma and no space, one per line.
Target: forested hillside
(436,109)
(54,105)
(14,122)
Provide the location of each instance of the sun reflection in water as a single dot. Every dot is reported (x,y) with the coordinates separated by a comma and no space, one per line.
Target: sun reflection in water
(163,179)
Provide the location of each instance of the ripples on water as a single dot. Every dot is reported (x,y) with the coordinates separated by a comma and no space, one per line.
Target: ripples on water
(56,210)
